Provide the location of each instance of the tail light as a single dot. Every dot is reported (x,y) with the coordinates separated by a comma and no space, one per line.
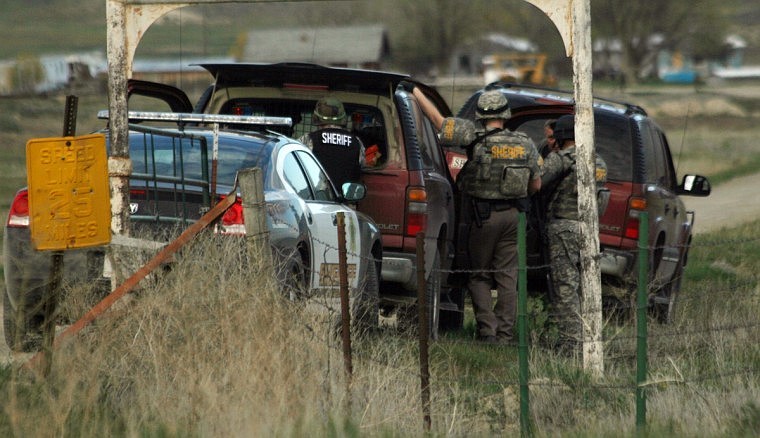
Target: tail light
(137,193)
(635,207)
(18,216)
(232,221)
(416,211)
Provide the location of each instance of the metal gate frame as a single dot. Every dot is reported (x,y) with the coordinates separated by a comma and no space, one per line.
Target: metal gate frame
(128,20)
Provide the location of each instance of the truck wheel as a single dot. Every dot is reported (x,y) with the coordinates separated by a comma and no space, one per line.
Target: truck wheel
(408,316)
(293,277)
(664,306)
(17,328)
(453,319)
(366,304)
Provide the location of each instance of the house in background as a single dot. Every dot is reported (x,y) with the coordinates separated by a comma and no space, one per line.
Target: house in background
(742,61)
(468,58)
(358,46)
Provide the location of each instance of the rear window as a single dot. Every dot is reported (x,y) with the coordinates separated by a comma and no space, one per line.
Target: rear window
(182,156)
(612,142)
(366,122)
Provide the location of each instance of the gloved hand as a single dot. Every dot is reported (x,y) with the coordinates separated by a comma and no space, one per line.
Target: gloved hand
(406,86)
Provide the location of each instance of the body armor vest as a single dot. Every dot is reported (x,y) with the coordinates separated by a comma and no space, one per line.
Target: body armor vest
(498,167)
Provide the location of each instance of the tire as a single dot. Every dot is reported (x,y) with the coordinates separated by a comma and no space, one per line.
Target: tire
(408,316)
(365,308)
(663,302)
(453,320)
(293,277)
(18,330)
(664,306)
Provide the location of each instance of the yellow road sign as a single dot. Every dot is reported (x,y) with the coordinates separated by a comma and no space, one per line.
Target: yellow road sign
(69,202)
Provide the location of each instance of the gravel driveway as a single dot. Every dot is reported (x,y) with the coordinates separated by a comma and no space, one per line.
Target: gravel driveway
(729,204)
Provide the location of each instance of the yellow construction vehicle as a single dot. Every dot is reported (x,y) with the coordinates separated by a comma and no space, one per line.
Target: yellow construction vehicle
(527,68)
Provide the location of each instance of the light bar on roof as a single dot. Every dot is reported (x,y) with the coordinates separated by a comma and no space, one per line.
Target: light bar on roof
(145,116)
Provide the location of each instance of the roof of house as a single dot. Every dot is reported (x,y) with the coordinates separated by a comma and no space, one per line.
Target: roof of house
(335,45)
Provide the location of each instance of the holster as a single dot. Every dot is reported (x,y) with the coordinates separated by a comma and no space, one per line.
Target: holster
(475,214)
(482,211)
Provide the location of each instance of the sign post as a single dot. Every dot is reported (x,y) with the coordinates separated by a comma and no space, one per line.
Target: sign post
(65,178)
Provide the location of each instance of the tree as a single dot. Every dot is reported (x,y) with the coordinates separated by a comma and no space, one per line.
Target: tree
(696,27)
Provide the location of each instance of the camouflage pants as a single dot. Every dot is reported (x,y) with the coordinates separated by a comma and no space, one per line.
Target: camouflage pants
(493,247)
(564,254)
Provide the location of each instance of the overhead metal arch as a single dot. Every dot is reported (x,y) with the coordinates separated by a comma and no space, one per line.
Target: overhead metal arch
(128,20)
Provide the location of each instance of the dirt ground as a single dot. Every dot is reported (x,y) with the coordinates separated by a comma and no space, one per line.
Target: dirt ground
(729,204)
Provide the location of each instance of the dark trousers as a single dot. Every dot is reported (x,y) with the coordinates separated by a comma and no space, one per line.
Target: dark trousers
(493,248)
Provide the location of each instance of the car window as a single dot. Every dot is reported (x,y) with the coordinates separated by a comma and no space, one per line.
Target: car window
(430,141)
(169,156)
(534,129)
(318,179)
(612,141)
(364,121)
(294,175)
(426,149)
(670,174)
(652,158)
(659,165)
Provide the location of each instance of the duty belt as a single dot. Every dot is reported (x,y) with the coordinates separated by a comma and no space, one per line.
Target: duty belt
(498,204)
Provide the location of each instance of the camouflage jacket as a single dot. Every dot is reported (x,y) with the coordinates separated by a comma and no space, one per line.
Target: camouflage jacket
(559,183)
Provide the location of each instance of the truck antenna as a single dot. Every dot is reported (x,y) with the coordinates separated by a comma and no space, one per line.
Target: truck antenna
(683,136)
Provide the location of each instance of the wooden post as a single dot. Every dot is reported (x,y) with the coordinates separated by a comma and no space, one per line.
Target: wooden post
(251,182)
(345,313)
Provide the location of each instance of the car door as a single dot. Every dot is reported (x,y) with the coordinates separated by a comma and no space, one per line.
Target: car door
(666,210)
(320,205)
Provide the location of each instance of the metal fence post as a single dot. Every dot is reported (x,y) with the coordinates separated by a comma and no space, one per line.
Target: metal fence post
(641,324)
(423,330)
(522,327)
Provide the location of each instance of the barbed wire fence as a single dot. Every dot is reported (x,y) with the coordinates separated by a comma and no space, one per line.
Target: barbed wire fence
(621,345)
(669,346)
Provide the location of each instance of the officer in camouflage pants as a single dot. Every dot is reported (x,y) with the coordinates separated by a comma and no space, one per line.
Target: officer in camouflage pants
(502,170)
(560,188)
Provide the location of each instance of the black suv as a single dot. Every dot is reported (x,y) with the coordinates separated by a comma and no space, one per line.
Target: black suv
(641,177)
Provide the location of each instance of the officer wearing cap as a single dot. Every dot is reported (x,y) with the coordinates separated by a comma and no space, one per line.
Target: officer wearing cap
(563,229)
(501,172)
(339,151)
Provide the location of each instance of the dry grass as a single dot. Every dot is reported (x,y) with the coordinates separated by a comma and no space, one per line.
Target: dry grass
(213,350)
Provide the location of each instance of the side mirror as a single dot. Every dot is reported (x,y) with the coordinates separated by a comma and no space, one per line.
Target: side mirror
(353,192)
(694,185)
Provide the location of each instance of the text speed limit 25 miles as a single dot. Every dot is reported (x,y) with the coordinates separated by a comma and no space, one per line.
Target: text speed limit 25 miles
(69,204)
